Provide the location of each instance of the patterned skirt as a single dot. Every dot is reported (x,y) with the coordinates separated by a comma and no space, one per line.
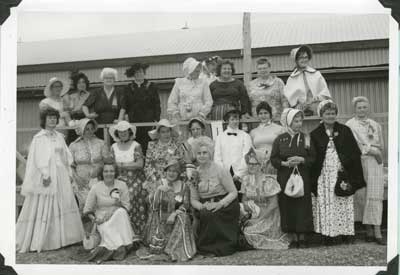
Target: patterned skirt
(138,199)
(333,215)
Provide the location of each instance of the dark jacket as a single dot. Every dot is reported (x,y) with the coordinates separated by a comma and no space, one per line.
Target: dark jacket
(348,152)
(142,104)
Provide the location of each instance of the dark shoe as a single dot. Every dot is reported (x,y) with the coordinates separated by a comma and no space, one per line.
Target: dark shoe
(96,252)
(380,241)
(347,239)
(120,254)
(294,244)
(303,244)
(106,256)
(369,239)
(328,241)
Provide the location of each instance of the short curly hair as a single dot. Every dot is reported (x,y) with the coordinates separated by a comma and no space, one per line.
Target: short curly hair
(263,105)
(328,106)
(48,112)
(203,142)
(101,169)
(76,76)
(224,62)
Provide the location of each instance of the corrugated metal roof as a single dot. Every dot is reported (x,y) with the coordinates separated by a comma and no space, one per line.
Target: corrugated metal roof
(321,60)
(332,28)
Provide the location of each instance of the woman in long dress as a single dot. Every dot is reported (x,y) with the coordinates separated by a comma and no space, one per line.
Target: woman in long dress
(368,134)
(290,149)
(169,219)
(260,200)
(107,205)
(337,151)
(190,97)
(49,218)
(129,158)
(88,152)
(214,199)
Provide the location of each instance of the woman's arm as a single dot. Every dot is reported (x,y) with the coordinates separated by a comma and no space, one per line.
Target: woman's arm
(226,180)
(91,201)
(121,115)
(125,197)
(138,159)
(195,199)
(275,157)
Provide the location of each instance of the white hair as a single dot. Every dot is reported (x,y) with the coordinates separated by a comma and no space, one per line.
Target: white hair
(107,71)
(358,99)
(203,142)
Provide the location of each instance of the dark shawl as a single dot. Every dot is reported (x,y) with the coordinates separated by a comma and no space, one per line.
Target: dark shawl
(348,152)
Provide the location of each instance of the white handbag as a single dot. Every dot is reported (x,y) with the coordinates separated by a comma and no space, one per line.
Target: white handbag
(92,239)
(295,185)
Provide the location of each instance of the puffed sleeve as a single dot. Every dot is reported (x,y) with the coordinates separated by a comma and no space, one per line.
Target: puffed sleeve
(207,100)
(91,201)
(275,157)
(42,155)
(173,100)
(244,99)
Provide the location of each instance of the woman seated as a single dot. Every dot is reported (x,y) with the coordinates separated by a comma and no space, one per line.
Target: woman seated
(260,202)
(107,205)
(128,156)
(88,152)
(56,98)
(214,198)
(169,229)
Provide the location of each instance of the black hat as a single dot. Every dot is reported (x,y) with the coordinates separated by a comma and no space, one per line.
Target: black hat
(231,111)
(134,68)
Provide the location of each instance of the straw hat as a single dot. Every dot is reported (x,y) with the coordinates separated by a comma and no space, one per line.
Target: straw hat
(122,126)
(173,162)
(65,88)
(153,134)
(80,129)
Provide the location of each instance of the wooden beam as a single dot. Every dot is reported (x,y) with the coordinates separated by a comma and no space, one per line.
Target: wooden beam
(246,32)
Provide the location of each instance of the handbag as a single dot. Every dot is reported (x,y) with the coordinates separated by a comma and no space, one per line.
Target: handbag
(92,239)
(157,241)
(295,185)
(343,187)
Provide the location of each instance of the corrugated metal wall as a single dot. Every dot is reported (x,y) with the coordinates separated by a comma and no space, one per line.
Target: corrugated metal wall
(331,59)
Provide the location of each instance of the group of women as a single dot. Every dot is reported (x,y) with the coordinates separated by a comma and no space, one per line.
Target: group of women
(154,192)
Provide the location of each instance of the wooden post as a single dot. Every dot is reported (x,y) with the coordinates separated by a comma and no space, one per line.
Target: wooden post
(247,66)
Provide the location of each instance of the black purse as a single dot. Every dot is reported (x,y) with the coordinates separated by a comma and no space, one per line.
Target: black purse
(343,186)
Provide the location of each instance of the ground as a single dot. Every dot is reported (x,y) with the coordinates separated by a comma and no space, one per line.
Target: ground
(358,254)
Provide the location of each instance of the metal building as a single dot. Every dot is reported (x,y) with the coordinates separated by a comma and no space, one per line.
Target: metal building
(352,52)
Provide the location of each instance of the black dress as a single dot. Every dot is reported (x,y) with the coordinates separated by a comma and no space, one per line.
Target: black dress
(296,213)
(142,104)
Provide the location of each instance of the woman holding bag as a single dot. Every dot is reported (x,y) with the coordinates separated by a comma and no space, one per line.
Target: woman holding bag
(291,151)
(336,175)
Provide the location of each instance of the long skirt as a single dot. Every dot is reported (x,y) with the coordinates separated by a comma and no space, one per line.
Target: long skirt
(218,111)
(333,215)
(264,232)
(117,231)
(218,231)
(49,222)
(370,199)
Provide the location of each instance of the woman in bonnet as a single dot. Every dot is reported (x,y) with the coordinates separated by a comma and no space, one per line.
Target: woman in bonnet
(305,87)
(50,217)
(368,134)
(294,149)
(190,96)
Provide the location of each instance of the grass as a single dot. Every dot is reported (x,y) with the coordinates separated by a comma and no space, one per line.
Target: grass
(358,254)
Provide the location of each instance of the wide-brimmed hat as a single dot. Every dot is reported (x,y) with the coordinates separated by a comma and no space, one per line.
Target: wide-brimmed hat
(294,52)
(173,162)
(121,126)
(153,134)
(80,128)
(199,120)
(231,110)
(65,88)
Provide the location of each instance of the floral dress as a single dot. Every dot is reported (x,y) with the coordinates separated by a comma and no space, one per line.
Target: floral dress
(88,157)
(135,180)
(157,156)
(333,215)
(179,239)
